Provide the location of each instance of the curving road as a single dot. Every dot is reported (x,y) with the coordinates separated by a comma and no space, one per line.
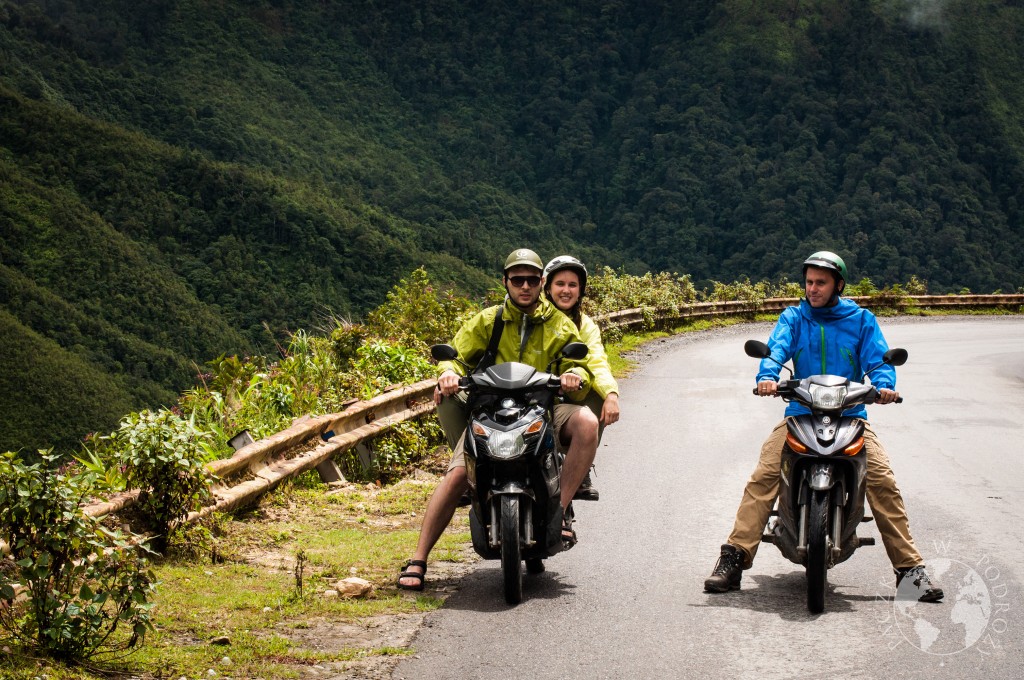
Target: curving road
(628,601)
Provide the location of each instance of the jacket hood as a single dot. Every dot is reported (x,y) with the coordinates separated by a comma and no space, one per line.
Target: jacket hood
(544,311)
(842,309)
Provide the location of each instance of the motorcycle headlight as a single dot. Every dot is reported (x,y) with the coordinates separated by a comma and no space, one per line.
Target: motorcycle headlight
(827,398)
(509,444)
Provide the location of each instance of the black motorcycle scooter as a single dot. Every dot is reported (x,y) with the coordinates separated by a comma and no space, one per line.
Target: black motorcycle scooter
(824,464)
(513,464)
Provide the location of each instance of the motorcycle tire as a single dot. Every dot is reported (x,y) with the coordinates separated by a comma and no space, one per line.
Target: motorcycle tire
(511,551)
(817,551)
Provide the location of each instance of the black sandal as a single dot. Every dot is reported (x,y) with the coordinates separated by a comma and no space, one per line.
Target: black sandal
(568,533)
(412,574)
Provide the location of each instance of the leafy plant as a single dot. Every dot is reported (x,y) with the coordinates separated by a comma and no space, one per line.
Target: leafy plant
(397,449)
(105,475)
(83,582)
(382,364)
(164,458)
(415,314)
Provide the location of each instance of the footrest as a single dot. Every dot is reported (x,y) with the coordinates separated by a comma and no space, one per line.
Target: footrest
(869,540)
(867,518)
(767,538)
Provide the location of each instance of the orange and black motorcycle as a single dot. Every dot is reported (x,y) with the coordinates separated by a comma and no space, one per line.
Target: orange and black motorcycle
(822,491)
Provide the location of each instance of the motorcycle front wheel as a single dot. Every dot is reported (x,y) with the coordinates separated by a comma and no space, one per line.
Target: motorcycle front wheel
(817,551)
(511,553)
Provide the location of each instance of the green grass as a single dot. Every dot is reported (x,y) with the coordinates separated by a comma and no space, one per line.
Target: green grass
(252,595)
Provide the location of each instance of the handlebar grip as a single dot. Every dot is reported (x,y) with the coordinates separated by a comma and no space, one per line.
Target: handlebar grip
(899,400)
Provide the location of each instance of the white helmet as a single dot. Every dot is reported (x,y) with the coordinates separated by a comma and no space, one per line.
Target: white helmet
(566,262)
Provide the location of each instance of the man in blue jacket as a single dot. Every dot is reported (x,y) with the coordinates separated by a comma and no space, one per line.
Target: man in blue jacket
(824,334)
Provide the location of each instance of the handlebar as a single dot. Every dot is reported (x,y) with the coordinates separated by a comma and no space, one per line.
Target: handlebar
(786,388)
(554,382)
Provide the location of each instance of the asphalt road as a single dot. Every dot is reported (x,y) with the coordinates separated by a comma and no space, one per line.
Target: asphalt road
(628,600)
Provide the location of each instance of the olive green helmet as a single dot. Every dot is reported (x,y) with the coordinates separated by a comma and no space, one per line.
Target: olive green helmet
(827,260)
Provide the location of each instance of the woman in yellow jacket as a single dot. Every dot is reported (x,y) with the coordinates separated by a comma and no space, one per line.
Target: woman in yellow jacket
(565,284)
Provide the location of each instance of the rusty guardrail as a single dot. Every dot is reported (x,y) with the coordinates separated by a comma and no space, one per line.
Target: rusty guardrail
(264,464)
(631,319)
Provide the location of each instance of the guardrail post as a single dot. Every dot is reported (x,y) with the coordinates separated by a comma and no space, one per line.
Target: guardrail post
(365,456)
(329,472)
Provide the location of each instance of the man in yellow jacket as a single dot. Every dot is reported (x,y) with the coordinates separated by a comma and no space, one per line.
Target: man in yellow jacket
(534,332)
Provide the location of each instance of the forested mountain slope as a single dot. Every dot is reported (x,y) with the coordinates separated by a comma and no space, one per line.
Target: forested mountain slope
(181,179)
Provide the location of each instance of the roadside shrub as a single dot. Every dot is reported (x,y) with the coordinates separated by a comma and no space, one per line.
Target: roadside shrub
(608,291)
(416,314)
(400,447)
(382,364)
(164,458)
(865,287)
(88,589)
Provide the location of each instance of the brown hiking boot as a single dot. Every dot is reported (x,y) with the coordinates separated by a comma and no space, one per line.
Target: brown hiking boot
(913,583)
(587,490)
(728,571)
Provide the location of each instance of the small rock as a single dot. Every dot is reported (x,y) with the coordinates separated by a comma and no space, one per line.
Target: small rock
(221,640)
(208,573)
(225,661)
(211,673)
(353,586)
(267,609)
(329,594)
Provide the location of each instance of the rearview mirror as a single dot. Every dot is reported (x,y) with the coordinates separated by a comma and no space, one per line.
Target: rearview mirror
(575,350)
(756,349)
(443,352)
(897,356)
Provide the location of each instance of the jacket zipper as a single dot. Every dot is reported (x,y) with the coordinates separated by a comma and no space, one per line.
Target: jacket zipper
(823,367)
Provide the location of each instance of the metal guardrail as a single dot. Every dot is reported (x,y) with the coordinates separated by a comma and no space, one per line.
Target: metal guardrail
(259,467)
(641,317)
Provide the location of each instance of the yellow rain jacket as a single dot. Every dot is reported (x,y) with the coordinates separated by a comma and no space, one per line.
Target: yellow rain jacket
(597,360)
(534,340)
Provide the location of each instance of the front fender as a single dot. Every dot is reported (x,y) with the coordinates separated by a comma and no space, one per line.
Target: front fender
(821,477)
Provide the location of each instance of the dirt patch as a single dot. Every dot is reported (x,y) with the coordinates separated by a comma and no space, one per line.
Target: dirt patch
(379,640)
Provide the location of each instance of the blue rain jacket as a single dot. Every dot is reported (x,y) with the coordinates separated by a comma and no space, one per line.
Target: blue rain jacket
(840,340)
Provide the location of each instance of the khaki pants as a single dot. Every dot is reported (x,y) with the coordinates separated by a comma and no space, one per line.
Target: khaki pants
(883,497)
(452,414)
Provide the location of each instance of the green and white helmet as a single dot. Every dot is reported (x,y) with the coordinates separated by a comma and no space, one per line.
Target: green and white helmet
(827,260)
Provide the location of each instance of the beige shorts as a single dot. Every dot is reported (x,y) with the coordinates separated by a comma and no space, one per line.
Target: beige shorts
(563,413)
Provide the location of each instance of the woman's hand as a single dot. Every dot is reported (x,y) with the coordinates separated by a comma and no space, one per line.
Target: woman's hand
(610,409)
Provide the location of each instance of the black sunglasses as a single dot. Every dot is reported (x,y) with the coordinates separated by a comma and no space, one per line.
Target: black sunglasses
(520,281)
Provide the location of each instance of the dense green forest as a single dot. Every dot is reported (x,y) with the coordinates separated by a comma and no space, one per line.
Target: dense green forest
(184,179)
